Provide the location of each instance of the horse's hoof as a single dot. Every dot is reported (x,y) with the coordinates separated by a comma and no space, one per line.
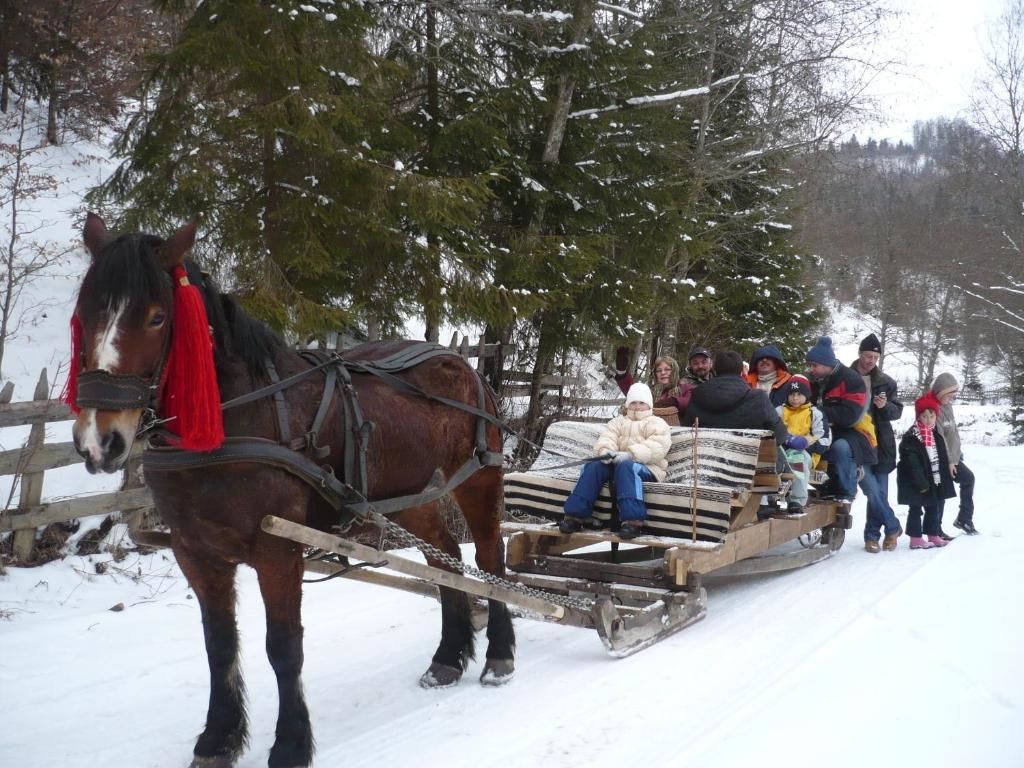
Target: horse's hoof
(218,761)
(497,672)
(440,676)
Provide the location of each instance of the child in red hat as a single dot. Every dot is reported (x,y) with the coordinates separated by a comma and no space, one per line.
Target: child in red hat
(923,479)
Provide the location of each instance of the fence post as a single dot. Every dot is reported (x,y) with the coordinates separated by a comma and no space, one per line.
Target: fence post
(31,482)
(481,351)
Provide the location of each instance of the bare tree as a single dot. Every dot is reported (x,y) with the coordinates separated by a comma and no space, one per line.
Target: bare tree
(997,104)
(23,258)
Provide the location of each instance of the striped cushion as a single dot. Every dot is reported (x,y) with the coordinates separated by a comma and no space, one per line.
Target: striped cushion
(725,461)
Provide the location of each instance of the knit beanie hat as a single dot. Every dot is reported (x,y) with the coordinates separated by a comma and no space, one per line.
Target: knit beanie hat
(944,382)
(927,402)
(799,384)
(822,353)
(640,393)
(870,343)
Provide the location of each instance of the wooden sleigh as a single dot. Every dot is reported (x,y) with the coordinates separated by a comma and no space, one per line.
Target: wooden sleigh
(707,520)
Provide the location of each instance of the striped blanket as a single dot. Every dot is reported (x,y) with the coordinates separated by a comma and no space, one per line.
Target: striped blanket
(726,460)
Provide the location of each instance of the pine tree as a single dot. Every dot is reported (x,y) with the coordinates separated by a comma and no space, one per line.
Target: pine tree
(277,124)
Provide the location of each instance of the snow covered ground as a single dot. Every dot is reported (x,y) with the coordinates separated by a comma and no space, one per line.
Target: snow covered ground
(909,658)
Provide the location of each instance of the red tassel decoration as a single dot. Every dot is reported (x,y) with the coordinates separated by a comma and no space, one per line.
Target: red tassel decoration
(191,394)
(70,392)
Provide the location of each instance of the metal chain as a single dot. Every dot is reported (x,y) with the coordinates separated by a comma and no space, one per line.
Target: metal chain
(411,539)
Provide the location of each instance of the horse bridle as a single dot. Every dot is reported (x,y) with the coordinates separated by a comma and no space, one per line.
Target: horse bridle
(108,391)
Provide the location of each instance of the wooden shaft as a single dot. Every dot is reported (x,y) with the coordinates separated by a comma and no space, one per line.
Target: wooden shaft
(312,538)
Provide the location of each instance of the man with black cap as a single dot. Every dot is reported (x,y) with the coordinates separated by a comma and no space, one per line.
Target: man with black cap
(698,367)
(883,407)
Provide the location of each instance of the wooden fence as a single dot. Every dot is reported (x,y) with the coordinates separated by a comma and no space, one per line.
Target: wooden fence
(30,463)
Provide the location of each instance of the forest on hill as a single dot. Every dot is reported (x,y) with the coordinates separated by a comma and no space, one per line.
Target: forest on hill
(568,176)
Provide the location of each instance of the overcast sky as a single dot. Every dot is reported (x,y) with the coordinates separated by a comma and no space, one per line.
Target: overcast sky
(939,44)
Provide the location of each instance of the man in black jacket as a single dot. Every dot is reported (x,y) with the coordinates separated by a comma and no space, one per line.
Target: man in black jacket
(727,402)
(884,409)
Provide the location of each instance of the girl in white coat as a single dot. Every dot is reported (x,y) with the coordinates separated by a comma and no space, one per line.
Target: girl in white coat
(632,449)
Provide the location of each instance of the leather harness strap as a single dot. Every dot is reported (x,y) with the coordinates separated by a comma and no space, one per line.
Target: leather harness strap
(349,497)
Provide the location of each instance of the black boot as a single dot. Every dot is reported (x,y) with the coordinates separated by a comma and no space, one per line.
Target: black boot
(571,524)
(967,527)
(630,529)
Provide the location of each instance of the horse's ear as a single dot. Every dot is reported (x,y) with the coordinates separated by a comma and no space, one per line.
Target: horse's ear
(95,234)
(177,246)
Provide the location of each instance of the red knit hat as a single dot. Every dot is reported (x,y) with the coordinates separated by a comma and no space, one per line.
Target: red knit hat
(927,402)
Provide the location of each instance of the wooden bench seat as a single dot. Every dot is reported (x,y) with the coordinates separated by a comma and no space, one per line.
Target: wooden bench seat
(711,488)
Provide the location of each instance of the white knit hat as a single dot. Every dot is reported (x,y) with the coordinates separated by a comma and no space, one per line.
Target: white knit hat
(640,393)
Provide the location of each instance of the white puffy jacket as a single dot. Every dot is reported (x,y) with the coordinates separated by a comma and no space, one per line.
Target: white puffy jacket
(646,438)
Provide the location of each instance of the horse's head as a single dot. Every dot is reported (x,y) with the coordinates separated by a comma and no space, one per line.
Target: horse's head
(122,333)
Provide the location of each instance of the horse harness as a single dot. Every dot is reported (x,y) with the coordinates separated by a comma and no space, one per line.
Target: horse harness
(300,455)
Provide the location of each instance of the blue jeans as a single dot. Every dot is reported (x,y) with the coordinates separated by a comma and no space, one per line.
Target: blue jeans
(840,455)
(882,481)
(629,491)
(879,512)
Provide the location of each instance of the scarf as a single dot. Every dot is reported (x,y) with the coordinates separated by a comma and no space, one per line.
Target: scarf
(927,437)
(767,381)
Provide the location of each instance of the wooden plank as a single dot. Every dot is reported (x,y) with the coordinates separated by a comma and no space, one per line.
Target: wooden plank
(38,458)
(31,481)
(754,539)
(481,354)
(34,412)
(31,517)
(784,529)
(702,561)
(404,583)
(641,574)
(313,538)
(583,538)
(47,456)
(515,550)
(548,381)
(748,513)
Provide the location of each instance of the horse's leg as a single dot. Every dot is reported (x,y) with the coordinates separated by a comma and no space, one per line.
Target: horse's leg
(479,498)
(226,734)
(279,569)
(456,647)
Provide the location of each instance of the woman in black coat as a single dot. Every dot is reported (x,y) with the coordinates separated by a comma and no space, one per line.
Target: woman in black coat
(922,476)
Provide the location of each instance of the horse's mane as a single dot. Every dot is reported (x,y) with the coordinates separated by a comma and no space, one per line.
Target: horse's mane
(129,274)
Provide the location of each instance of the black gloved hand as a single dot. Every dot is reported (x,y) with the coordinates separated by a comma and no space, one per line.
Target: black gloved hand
(621,359)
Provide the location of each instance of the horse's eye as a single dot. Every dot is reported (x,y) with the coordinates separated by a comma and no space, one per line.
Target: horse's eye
(157,320)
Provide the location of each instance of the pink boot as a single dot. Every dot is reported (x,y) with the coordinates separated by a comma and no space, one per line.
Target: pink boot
(920,542)
(937,541)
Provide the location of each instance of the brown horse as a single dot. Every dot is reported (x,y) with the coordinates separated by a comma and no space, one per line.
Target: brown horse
(125,321)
